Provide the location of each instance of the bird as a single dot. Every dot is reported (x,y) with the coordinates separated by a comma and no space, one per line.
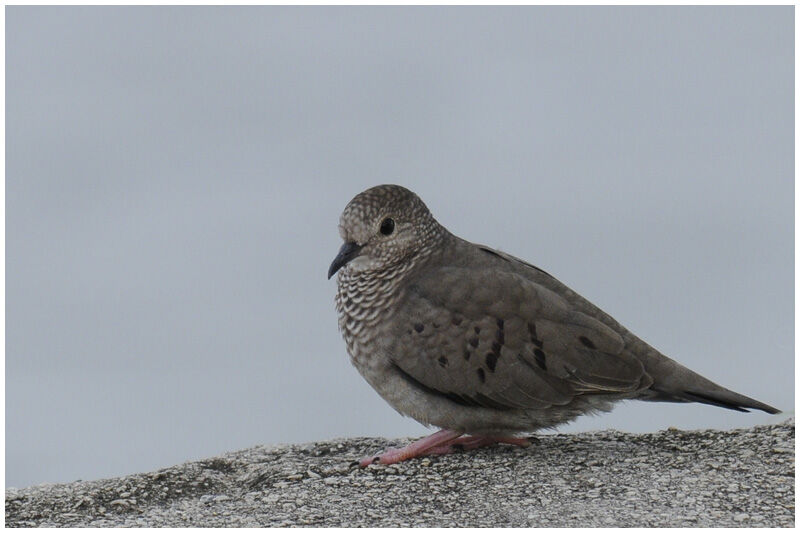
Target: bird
(485,346)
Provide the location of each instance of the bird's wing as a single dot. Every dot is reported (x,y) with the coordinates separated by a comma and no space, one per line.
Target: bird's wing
(495,338)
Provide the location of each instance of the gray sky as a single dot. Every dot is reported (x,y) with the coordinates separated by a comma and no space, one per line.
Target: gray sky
(175,176)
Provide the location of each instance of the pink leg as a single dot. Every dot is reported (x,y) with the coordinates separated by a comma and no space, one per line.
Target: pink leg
(415,449)
(440,443)
(470,442)
(477,441)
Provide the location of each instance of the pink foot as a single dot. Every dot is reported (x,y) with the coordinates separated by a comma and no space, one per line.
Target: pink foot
(477,441)
(415,449)
(440,443)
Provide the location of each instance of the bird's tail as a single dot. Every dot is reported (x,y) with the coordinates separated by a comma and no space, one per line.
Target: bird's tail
(673,382)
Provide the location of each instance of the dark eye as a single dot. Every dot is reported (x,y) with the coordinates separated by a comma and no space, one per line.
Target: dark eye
(387,226)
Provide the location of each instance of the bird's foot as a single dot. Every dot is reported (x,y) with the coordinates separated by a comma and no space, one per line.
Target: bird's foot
(415,449)
(440,443)
(472,442)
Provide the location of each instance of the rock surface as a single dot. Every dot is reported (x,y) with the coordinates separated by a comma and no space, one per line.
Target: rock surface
(672,478)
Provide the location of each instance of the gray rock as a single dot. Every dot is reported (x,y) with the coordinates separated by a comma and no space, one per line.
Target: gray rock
(604,478)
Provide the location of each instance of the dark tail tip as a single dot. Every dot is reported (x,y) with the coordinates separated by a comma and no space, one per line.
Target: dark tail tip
(729,400)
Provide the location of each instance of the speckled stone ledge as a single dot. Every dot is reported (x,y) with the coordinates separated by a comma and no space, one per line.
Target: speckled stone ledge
(741,478)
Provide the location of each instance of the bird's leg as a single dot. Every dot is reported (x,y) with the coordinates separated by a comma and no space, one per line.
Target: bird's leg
(441,443)
(415,449)
(468,442)
(472,442)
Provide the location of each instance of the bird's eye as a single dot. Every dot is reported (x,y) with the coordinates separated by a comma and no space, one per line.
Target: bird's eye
(387,226)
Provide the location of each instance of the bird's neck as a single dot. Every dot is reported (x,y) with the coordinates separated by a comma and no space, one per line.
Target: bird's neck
(366,298)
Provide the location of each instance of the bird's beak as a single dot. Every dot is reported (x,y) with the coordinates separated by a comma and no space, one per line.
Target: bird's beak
(347,253)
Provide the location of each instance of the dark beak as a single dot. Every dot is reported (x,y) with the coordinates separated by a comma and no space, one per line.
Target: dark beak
(347,253)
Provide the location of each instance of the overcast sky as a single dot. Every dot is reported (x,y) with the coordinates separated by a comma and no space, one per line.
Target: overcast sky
(174,178)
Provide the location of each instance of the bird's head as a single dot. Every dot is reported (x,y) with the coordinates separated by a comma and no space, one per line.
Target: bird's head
(381,227)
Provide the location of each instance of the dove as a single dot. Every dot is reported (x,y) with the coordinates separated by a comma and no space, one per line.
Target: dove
(478,343)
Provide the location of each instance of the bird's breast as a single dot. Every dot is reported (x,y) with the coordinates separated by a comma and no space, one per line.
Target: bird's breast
(364,303)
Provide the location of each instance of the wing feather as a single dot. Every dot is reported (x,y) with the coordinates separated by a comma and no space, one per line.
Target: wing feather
(496,338)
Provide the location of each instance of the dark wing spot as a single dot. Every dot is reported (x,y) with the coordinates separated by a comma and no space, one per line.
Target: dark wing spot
(435,325)
(587,342)
(491,361)
(467,355)
(456,320)
(419,327)
(443,361)
(496,348)
(501,336)
(477,330)
(482,375)
(540,358)
(474,342)
(534,339)
(500,323)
